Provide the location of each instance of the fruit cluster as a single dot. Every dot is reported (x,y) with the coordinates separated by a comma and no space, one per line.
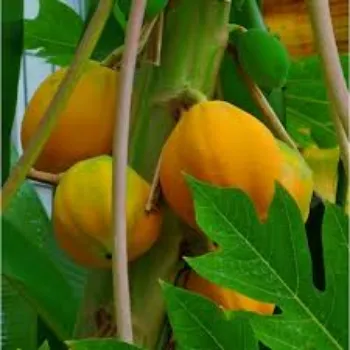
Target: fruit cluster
(213,141)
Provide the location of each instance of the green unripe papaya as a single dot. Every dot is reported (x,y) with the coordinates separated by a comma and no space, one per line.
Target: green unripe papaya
(263,57)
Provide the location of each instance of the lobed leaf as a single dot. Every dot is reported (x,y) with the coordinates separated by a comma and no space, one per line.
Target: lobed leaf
(271,262)
(198,323)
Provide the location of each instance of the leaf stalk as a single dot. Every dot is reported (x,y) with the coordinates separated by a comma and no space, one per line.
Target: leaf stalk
(120,161)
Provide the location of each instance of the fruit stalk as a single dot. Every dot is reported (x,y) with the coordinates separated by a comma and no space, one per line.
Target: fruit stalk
(44,177)
(84,50)
(120,162)
(321,22)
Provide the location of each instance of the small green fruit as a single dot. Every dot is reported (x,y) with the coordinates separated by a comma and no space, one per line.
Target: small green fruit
(263,57)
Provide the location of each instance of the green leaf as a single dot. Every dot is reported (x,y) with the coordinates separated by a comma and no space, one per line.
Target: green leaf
(308,111)
(99,344)
(12,44)
(45,346)
(54,33)
(31,272)
(19,320)
(111,37)
(198,323)
(119,16)
(271,262)
(37,227)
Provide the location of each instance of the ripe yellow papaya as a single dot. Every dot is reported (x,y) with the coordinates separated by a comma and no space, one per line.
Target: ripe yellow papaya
(297,178)
(224,297)
(225,146)
(85,126)
(82,213)
(220,144)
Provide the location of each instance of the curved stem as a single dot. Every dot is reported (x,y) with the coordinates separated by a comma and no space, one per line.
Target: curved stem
(84,50)
(321,22)
(44,177)
(120,161)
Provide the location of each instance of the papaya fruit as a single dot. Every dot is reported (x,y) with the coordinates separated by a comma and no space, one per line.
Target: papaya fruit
(226,298)
(225,146)
(297,178)
(85,126)
(263,57)
(82,213)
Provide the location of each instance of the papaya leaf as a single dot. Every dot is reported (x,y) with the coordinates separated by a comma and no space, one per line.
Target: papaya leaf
(119,16)
(31,272)
(112,35)
(99,344)
(307,104)
(37,227)
(12,46)
(198,323)
(54,33)
(28,260)
(19,320)
(271,262)
(45,346)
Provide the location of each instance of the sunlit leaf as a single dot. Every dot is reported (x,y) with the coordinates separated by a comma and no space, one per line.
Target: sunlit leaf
(198,323)
(308,108)
(271,262)
(54,33)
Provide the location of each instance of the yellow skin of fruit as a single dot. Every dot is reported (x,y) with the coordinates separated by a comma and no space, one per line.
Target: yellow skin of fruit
(297,178)
(225,146)
(226,298)
(84,128)
(82,213)
(220,144)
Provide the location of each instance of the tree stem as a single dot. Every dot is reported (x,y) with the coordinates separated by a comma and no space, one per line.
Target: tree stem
(120,161)
(59,101)
(321,22)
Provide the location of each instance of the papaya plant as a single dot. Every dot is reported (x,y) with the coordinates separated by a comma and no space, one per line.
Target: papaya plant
(197,159)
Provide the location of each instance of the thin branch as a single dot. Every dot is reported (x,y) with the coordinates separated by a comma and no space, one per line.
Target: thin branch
(44,177)
(120,161)
(84,50)
(321,22)
(113,58)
